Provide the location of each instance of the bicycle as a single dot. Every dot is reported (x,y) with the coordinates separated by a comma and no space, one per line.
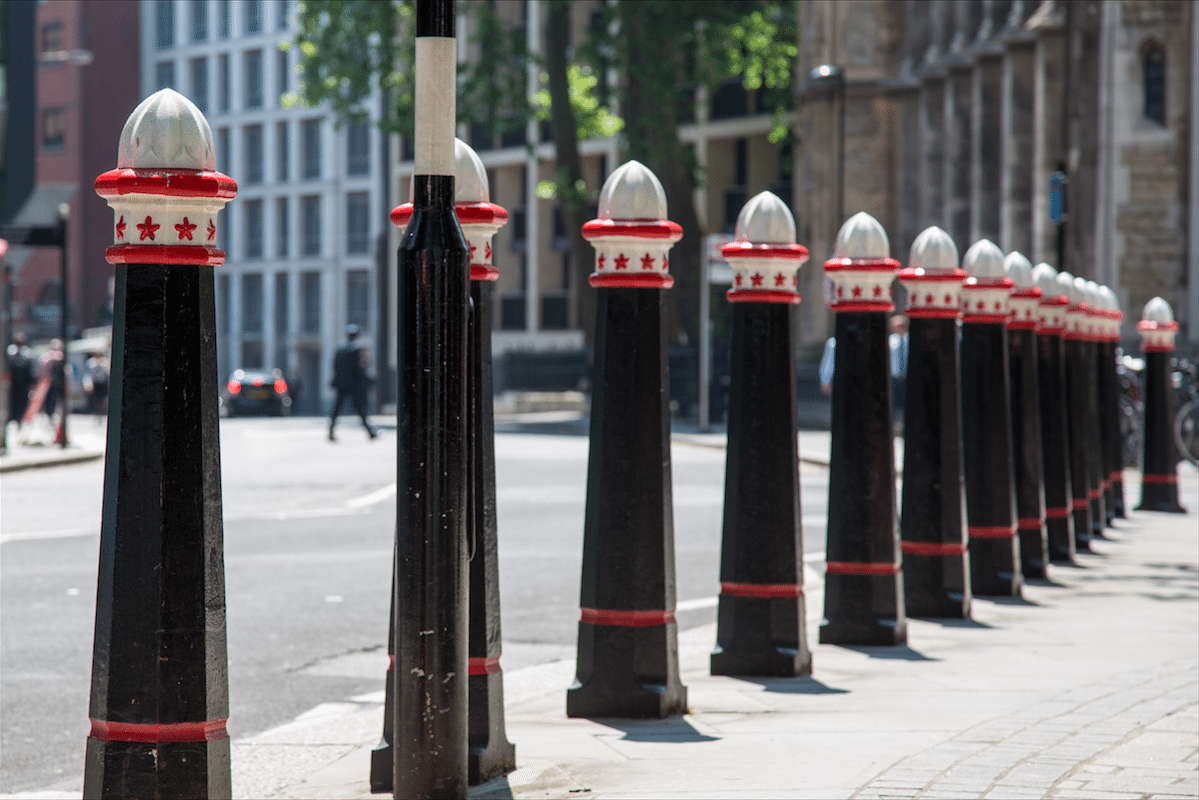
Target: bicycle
(1185,379)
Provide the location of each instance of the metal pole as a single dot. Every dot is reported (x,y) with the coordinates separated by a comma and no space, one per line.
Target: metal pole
(705,338)
(65,394)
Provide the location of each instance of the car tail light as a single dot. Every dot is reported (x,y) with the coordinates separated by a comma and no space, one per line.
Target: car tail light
(234,387)
(280,386)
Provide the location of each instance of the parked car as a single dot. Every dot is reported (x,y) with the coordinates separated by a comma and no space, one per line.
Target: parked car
(255,392)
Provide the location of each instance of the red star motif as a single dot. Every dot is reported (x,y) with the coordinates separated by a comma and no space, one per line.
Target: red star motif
(147,228)
(840,292)
(857,291)
(738,280)
(622,262)
(756,279)
(780,279)
(121,227)
(602,259)
(211,231)
(647,261)
(981,305)
(878,291)
(487,252)
(948,299)
(665,264)
(472,250)
(795,280)
(928,301)
(998,306)
(185,230)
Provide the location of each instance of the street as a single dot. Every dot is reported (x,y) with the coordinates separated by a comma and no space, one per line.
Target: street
(308,547)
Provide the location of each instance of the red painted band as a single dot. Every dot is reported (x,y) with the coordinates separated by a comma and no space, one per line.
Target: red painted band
(166,183)
(1116,477)
(851,306)
(1150,325)
(1157,349)
(391,662)
(989,283)
(1057,513)
(155,733)
(1022,325)
(484,272)
(1159,479)
(1080,503)
(1107,484)
(861,265)
(467,214)
(762,296)
(860,568)
(956,276)
(1051,330)
(1094,494)
(934,313)
(1030,523)
(996,318)
(796,252)
(761,590)
(626,619)
(991,531)
(637,229)
(483,666)
(175,255)
(1056,300)
(1028,293)
(631,280)
(933,548)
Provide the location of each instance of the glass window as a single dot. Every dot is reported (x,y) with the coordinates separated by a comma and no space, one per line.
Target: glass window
(310,212)
(253,22)
(358,144)
(282,151)
(225,17)
(164,19)
(1153,62)
(310,132)
(224,156)
(52,36)
(53,128)
(282,74)
(252,144)
(222,81)
(199,20)
(251,302)
(282,304)
(198,67)
(358,222)
(358,294)
(282,7)
(310,294)
(282,227)
(252,65)
(253,243)
(164,74)
(222,303)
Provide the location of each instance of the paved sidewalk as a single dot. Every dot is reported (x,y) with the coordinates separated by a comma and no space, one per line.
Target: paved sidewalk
(1088,687)
(33,446)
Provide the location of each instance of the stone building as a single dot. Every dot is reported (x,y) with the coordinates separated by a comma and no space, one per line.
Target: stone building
(958,113)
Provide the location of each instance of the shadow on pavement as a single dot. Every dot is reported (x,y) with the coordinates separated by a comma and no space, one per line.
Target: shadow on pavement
(672,730)
(898,652)
(954,623)
(804,685)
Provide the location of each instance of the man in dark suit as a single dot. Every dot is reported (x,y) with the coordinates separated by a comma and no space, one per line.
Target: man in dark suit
(350,380)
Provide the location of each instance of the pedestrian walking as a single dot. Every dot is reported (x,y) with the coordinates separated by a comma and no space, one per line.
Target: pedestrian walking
(897,340)
(351,381)
(95,383)
(18,363)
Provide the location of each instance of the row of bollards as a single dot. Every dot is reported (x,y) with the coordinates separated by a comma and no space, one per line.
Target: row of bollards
(1012,459)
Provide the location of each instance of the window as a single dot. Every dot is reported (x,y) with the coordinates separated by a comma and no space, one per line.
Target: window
(224,157)
(282,74)
(52,36)
(310,295)
(222,81)
(252,153)
(224,15)
(53,128)
(282,151)
(251,302)
(222,304)
(253,242)
(252,66)
(358,145)
(199,20)
(253,22)
(282,227)
(164,74)
(164,19)
(358,294)
(1153,64)
(198,67)
(310,213)
(282,7)
(358,223)
(310,132)
(282,312)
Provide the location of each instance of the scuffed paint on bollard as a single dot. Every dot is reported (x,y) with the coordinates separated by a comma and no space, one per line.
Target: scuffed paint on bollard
(1055,444)
(760,629)
(159,694)
(628,655)
(863,582)
(1159,479)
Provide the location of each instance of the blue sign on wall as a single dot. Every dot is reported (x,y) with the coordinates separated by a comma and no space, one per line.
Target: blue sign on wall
(1057,196)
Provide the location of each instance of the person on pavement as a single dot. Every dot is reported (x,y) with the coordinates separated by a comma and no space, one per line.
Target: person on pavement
(350,380)
(19,365)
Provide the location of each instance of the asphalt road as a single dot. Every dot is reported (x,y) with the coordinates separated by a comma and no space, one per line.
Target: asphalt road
(308,545)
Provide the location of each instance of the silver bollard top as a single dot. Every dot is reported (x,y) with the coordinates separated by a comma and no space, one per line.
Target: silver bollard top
(632,192)
(1065,286)
(1025,297)
(1159,311)
(984,261)
(470,178)
(765,219)
(166,131)
(1019,269)
(862,238)
(1045,277)
(986,294)
(764,253)
(1157,327)
(632,236)
(933,250)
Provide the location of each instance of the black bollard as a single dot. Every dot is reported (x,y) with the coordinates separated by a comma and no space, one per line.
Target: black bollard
(1109,406)
(1025,303)
(933,519)
(431,600)
(987,425)
(863,583)
(761,629)
(1055,446)
(1096,475)
(1159,479)
(1077,432)
(159,692)
(628,654)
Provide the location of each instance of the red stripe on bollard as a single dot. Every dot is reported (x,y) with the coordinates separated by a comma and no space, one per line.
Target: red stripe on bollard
(483,666)
(1095,494)
(155,733)
(1057,513)
(625,619)
(391,662)
(933,548)
(1159,479)
(860,568)
(1079,503)
(991,532)
(1116,477)
(765,590)
(1030,522)
(1107,483)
